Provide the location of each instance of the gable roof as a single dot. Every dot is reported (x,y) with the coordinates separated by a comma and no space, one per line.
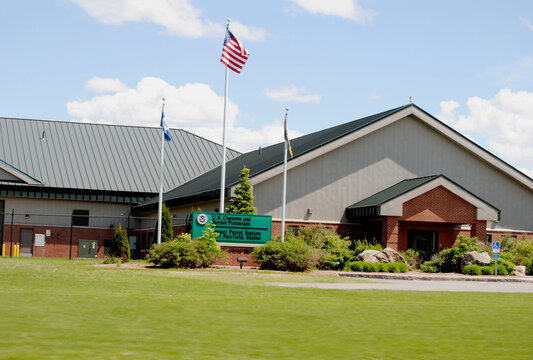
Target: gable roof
(207,186)
(268,162)
(389,201)
(97,157)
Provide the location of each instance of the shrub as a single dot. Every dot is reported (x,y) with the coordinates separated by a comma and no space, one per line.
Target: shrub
(370,267)
(432,266)
(243,202)
(167,233)
(120,245)
(412,257)
(523,255)
(356,266)
(487,270)
(504,267)
(336,250)
(292,255)
(112,260)
(397,267)
(383,267)
(451,258)
(472,269)
(184,252)
(362,245)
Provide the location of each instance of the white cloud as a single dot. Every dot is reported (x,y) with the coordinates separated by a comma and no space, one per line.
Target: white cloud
(105,85)
(505,121)
(527,23)
(347,9)
(193,107)
(178,17)
(292,93)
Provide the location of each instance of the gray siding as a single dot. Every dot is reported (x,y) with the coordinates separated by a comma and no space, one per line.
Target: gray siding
(405,149)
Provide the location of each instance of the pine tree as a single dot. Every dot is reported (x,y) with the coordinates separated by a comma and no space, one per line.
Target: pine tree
(167,234)
(120,245)
(243,203)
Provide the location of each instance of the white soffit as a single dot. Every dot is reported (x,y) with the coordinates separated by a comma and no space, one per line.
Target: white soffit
(395,206)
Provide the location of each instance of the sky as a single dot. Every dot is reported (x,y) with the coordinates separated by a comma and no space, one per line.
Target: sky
(469,63)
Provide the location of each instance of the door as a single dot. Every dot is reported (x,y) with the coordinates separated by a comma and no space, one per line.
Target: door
(87,249)
(423,241)
(26,242)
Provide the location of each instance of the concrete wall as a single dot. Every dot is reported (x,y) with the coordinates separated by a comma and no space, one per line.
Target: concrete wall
(405,149)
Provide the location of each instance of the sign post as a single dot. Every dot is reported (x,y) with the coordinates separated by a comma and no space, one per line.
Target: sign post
(496,255)
(234,228)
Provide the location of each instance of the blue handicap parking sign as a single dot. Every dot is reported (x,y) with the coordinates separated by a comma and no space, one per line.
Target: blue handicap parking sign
(496,247)
(496,256)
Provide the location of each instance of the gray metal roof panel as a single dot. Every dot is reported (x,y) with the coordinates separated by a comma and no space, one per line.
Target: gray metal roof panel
(104,157)
(393,192)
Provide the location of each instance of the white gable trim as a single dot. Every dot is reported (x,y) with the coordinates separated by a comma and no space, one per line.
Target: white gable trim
(18,174)
(411,110)
(485,211)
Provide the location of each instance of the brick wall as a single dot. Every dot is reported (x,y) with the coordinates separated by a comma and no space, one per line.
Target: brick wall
(58,243)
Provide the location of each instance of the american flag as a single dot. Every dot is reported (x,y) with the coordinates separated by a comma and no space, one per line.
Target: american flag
(234,54)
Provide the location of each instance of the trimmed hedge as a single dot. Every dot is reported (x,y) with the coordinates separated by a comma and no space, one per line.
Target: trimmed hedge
(363,266)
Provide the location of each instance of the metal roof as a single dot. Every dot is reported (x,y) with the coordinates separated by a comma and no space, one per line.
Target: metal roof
(207,186)
(371,205)
(96,157)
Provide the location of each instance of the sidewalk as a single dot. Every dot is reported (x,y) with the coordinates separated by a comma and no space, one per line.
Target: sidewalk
(414,275)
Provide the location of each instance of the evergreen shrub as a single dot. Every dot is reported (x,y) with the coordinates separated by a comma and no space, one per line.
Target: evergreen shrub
(120,245)
(472,270)
(292,255)
(335,250)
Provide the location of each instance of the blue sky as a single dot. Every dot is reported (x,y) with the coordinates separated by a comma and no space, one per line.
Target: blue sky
(470,63)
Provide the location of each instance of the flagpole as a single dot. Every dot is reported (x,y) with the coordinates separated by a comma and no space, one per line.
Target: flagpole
(284,191)
(160,209)
(223,162)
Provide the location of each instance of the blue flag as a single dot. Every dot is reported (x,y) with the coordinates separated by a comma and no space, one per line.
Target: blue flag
(164,125)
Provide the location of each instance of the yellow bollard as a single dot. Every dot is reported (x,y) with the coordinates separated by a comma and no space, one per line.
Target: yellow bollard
(3,249)
(17,250)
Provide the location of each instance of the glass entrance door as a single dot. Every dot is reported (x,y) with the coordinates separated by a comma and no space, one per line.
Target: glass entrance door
(423,241)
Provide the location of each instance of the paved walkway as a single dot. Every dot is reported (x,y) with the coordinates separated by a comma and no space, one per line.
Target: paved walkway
(422,285)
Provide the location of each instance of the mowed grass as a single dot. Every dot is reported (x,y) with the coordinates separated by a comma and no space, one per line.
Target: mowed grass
(61,309)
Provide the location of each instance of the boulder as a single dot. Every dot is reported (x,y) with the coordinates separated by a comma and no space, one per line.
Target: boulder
(394,256)
(520,270)
(475,258)
(372,256)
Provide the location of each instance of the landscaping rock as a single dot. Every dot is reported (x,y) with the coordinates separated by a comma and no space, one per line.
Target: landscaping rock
(520,270)
(394,256)
(475,258)
(372,256)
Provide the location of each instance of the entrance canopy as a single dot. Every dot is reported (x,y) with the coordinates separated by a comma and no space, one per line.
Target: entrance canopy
(391,201)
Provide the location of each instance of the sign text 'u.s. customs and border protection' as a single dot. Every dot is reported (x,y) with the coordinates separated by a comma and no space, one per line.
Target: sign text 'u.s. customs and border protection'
(234,228)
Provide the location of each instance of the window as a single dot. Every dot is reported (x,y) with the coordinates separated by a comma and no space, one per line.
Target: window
(80,217)
(489,239)
(294,229)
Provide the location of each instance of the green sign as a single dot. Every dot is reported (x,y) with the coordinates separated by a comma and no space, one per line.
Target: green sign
(234,228)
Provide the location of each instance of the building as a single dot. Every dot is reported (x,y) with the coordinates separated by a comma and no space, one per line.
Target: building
(75,183)
(401,177)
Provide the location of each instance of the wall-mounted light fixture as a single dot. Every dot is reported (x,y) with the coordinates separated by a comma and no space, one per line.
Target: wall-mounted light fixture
(27,216)
(309,211)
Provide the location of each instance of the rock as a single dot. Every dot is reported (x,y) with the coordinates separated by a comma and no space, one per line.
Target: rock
(473,257)
(394,256)
(372,256)
(520,270)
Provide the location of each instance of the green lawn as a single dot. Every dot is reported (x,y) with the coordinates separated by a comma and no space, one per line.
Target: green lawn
(61,309)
